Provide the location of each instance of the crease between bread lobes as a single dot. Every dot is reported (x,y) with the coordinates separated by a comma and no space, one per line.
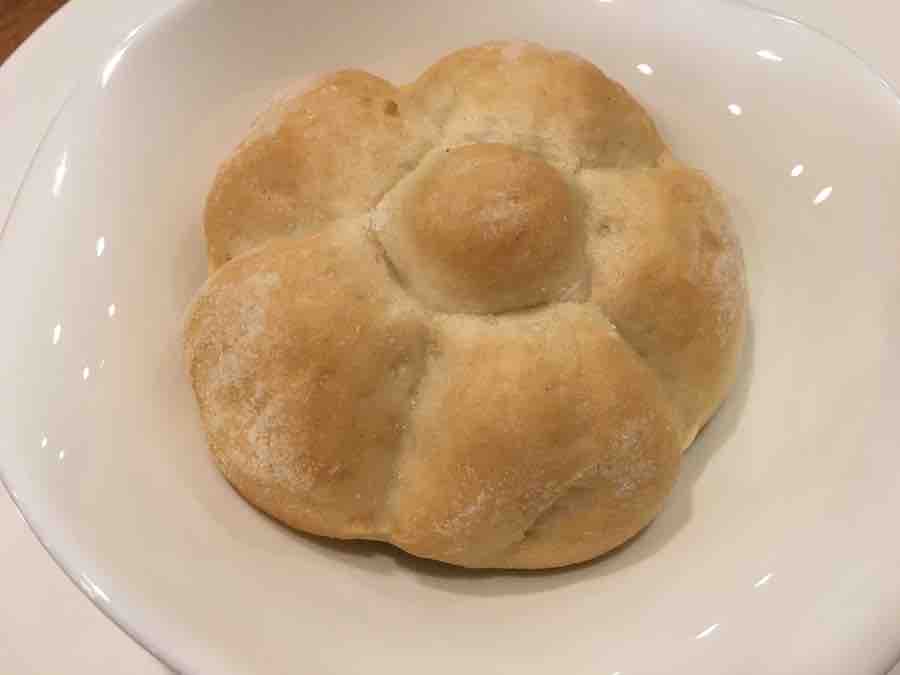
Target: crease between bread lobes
(479,316)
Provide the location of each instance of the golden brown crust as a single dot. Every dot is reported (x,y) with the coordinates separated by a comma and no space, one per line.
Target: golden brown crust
(518,415)
(668,272)
(478,317)
(485,228)
(303,363)
(553,103)
(329,153)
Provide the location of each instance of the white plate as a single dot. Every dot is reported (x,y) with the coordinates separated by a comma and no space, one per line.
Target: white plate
(778,551)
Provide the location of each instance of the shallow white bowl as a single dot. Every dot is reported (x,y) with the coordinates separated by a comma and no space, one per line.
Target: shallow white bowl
(778,552)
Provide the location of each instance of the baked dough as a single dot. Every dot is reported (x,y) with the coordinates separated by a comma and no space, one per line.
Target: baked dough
(479,316)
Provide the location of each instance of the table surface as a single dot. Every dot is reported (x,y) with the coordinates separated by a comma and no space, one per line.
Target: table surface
(48,626)
(19,18)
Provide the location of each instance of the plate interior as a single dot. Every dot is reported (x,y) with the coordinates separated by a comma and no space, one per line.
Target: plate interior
(775,552)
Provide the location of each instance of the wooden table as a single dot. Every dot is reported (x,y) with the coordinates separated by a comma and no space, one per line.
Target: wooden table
(19,18)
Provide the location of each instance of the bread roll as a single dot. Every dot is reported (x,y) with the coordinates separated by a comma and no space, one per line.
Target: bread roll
(479,316)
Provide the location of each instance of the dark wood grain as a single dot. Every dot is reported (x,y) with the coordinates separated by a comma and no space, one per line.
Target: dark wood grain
(19,19)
